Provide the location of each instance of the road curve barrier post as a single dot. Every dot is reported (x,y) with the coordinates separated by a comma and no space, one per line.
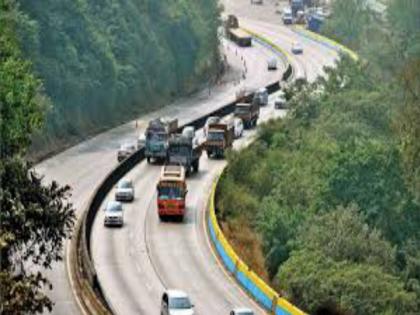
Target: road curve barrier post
(261,292)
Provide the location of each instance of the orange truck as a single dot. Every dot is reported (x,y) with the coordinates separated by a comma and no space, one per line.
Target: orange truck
(171,192)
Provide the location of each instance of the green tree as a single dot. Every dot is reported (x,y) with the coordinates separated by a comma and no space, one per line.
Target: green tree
(35,218)
(313,281)
(337,259)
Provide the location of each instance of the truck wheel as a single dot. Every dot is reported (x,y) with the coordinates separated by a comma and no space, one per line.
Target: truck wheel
(209,153)
(162,217)
(148,159)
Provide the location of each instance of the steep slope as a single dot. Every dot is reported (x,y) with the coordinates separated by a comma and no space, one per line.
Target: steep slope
(106,61)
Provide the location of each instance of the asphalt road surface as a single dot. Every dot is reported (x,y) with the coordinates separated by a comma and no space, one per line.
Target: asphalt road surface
(137,262)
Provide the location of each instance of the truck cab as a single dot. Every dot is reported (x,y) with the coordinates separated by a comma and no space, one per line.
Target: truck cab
(248,112)
(184,150)
(261,97)
(171,192)
(157,135)
(219,139)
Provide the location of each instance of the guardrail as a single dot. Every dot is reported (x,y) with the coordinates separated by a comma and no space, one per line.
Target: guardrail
(82,271)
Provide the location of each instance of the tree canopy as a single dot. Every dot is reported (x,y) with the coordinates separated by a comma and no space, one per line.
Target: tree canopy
(331,192)
(35,217)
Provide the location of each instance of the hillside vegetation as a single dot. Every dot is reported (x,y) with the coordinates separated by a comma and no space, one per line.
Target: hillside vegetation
(106,61)
(35,217)
(326,203)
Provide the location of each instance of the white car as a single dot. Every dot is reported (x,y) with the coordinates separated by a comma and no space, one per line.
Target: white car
(242,311)
(176,302)
(124,190)
(272,64)
(114,214)
(297,48)
(126,150)
(210,120)
(238,127)
(280,102)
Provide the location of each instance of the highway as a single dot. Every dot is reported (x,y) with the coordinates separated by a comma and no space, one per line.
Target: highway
(137,262)
(85,165)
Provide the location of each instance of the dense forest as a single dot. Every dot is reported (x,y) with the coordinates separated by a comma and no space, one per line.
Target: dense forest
(103,62)
(325,204)
(35,217)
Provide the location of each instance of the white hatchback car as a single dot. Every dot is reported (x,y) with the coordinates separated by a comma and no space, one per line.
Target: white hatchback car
(114,214)
(297,48)
(124,190)
(242,311)
(176,302)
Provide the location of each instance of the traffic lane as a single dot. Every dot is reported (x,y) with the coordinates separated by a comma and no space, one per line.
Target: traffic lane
(132,262)
(181,252)
(86,164)
(315,55)
(129,281)
(264,12)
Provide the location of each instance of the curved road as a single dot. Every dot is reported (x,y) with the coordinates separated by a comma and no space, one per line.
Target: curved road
(85,165)
(136,262)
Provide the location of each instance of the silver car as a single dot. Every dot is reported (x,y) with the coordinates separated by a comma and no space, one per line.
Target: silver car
(126,150)
(124,190)
(114,214)
(242,311)
(176,302)
(297,48)
(272,64)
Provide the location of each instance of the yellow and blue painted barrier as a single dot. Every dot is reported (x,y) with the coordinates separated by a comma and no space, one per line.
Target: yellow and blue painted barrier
(267,297)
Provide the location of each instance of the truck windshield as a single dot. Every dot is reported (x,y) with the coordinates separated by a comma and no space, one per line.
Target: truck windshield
(179,150)
(155,136)
(170,193)
(242,110)
(215,136)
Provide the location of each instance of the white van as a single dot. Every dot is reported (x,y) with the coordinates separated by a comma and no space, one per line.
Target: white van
(287,16)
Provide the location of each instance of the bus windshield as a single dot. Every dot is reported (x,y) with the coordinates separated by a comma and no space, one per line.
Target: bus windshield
(170,192)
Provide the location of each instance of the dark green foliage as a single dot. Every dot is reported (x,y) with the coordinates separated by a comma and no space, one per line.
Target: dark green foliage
(35,219)
(336,183)
(21,104)
(103,62)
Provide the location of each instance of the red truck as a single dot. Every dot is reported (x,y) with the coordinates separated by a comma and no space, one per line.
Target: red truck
(171,192)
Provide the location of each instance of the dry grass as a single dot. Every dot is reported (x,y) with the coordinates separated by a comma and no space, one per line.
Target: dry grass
(247,244)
